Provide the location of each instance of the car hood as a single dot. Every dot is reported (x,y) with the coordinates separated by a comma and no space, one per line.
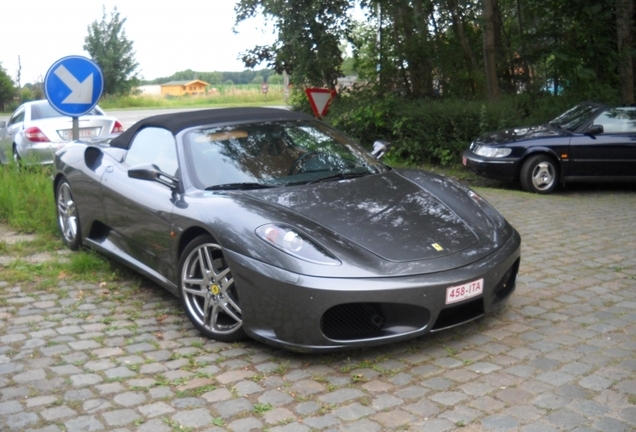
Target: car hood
(387,215)
(506,136)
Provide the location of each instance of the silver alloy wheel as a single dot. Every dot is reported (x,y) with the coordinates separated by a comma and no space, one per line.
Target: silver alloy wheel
(543,176)
(67,213)
(208,290)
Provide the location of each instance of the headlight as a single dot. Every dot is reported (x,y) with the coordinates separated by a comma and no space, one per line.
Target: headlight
(493,152)
(295,244)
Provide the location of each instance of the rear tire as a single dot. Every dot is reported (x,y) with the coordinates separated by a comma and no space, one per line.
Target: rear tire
(67,216)
(539,174)
(207,291)
(16,156)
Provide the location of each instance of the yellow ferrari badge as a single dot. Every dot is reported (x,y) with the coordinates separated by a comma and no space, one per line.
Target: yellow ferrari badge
(437,247)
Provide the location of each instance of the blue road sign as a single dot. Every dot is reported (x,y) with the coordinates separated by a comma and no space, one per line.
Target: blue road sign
(73,85)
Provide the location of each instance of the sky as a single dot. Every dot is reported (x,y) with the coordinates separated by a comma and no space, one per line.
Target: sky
(167,36)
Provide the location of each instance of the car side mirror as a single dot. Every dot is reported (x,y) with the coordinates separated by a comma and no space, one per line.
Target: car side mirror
(3,124)
(153,173)
(380,148)
(594,130)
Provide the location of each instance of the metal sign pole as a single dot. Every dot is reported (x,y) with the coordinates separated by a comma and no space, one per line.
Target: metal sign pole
(75,128)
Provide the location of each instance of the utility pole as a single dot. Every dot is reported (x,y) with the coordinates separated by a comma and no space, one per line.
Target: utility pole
(19,73)
(286,85)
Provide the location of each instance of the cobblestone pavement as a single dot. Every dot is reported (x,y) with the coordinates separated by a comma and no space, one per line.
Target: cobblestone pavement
(561,356)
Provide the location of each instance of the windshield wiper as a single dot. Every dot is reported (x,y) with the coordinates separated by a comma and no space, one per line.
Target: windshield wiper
(339,176)
(247,185)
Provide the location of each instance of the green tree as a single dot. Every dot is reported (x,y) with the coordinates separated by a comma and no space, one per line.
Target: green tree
(275,79)
(309,37)
(449,48)
(6,87)
(625,33)
(490,48)
(109,47)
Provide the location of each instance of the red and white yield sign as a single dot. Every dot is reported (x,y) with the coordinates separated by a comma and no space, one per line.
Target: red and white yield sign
(319,99)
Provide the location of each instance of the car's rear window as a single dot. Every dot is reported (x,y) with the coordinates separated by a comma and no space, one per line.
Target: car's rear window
(44,110)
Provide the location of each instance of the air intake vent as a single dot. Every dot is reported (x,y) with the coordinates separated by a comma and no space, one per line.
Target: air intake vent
(353,321)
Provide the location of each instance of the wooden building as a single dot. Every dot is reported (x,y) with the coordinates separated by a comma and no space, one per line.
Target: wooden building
(180,88)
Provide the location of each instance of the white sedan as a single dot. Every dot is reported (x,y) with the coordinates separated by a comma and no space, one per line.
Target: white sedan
(36,130)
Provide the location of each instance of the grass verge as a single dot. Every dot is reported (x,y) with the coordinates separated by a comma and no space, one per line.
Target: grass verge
(27,205)
(26,199)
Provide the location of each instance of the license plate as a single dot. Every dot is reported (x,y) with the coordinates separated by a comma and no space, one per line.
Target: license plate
(463,161)
(67,134)
(462,292)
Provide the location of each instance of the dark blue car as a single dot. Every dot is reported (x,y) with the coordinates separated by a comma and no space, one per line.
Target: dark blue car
(590,142)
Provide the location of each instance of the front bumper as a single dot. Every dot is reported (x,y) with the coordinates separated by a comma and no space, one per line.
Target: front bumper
(308,313)
(495,168)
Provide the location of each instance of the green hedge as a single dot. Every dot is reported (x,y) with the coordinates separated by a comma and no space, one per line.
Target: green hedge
(434,131)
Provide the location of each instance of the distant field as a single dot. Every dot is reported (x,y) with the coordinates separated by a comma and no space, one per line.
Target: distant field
(221,95)
(226,95)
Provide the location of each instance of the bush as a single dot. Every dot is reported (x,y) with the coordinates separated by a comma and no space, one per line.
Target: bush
(434,131)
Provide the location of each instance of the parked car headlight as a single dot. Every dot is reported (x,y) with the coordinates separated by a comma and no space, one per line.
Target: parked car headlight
(295,244)
(487,151)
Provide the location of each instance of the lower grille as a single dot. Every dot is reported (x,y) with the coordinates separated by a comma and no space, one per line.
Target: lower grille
(353,321)
(506,285)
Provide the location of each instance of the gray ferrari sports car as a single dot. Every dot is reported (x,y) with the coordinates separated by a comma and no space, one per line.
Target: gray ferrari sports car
(269,224)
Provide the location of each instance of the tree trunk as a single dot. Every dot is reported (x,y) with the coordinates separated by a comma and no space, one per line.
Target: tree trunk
(458,27)
(524,63)
(411,29)
(624,25)
(490,54)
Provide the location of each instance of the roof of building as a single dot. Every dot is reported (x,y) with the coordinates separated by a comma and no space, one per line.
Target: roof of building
(184,83)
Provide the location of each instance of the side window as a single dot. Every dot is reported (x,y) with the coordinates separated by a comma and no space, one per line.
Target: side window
(618,120)
(17,117)
(155,146)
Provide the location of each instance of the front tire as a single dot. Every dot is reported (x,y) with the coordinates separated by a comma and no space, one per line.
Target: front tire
(68,220)
(207,291)
(539,174)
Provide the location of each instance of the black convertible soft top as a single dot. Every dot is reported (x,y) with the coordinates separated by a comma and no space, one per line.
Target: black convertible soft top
(177,122)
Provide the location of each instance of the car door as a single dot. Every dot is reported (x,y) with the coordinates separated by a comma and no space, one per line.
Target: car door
(610,154)
(7,134)
(139,211)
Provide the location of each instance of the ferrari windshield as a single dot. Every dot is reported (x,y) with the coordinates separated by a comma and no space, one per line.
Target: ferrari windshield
(274,154)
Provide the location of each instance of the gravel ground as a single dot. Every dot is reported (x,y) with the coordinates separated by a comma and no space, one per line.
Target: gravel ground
(560,357)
